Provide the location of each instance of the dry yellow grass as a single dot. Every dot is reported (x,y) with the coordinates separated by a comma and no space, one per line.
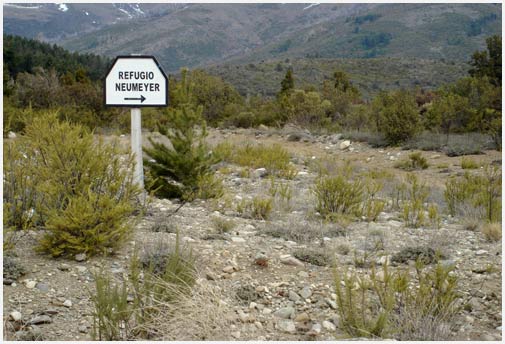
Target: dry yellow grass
(492,231)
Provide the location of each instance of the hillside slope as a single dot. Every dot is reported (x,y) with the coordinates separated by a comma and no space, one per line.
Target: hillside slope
(196,35)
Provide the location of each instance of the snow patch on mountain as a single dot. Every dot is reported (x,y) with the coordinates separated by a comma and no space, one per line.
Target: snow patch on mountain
(62,7)
(311,5)
(23,7)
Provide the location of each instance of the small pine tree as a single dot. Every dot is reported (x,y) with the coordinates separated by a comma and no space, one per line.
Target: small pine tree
(288,83)
(177,170)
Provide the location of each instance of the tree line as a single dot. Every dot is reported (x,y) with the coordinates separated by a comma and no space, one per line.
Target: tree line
(54,78)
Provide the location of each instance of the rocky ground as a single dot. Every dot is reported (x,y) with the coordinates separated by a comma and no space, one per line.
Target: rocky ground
(271,290)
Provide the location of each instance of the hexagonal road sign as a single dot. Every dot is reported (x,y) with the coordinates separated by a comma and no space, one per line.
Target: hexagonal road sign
(136,81)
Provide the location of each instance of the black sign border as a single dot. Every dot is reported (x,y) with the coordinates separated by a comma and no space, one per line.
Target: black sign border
(134,105)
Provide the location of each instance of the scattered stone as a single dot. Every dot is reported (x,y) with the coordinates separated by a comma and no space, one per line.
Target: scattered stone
(285,313)
(383,260)
(40,319)
(235,334)
(237,239)
(49,311)
(83,329)
(329,326)
(303,274)
(306,292)
(81,269)
(210,276)
(229,269)
(80,257)
(67,303)
(15,315)
(11,135)
(481,252)
(344,144)
(289,260)
(267,311)
(293,296)
(261,259)
(316,328)
(302,317)
(43,287)
(64,267)
(30,284)
(331,303)
(260,172)
(286,325)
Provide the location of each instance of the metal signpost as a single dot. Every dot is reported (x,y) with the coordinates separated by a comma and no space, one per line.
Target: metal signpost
(136,81)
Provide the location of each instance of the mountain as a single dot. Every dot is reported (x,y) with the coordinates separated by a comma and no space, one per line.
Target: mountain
(57,21)
(199,35)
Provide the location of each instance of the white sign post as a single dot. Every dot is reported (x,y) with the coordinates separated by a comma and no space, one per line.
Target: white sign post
(136,81)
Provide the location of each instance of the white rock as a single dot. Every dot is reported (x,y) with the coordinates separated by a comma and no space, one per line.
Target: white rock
(289,260)
(286,326)
(481,252)
(306,292)
(329,326)
(11,135)
(316,328)
(67,303)
(30,284)
(16,316)
(237,239)
(344,144)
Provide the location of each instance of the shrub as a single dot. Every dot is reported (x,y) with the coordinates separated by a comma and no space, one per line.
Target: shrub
(469,164)
(415,161)
(80,191)
(222,225)
(482,192)
(396,116)
(130,309)
(177,170)
(313,257)
(258,208)
(338,195)
(424,254)
(274,158)
(492,231)
(394,304)
(414,207)
(371,205)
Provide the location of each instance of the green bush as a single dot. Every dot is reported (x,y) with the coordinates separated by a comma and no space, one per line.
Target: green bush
(168,275)
(176,171)
(395,305)
(338,195)
(469,164)
(79,190)
(274,158)
(396,116)
(414,207)
(479,192)
(415,161)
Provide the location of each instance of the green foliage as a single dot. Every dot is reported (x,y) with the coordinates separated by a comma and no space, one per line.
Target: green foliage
(222,225)
(82,191)
(396,116)
(414,207)
(112,313)
(338,195)
(306,109)
(480,192)
(488,63)
(168,275)
(469,164)
(415,161)
(394,304)
(258,208)
(23,55)
(274,159)
(288,83)
(178,171)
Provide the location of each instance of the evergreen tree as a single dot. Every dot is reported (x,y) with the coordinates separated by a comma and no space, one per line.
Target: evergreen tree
(488,63)
(288,83)
(177,171)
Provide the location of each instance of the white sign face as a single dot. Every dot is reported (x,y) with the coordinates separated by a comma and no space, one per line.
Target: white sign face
(136,81)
